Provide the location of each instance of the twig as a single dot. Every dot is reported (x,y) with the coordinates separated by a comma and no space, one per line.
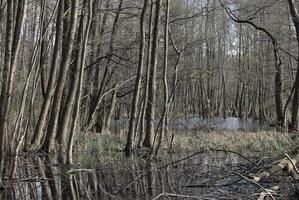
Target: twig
(257,184)
(175,195)
(177,161)
(292,162)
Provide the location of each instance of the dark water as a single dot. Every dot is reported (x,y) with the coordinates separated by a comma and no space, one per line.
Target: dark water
(203,176)
(198,123)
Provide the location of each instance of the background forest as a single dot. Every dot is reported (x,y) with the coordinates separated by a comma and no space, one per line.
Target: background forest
(73,71)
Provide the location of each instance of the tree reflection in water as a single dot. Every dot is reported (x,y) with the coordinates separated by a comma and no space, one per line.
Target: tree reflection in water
(205,176)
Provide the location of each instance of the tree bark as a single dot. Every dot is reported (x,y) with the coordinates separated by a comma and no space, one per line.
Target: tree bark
(107,120)
(295,105)
(136,95)
(7,62)
(48,145)
(165,84)
(148,61)
(70,100)
(40,125)
(150,112)
(76,109)
(98,97)
(13,36)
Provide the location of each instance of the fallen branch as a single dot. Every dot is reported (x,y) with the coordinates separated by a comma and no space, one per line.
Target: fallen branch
(74,171)
(266,191)
(175,195)
(292,162)
(287,165)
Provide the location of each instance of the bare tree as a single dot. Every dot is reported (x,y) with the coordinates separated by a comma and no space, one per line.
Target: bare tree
(295,105)
(78,84)
(150,109)
(42,119)
(136,95)
(165,84)
(13,38)
(48,145)
(278,66)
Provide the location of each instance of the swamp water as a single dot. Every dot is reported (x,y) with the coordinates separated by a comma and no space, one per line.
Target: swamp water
(198,123)
(203,175)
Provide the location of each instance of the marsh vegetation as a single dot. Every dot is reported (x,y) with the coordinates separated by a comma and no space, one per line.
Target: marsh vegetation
(149,99)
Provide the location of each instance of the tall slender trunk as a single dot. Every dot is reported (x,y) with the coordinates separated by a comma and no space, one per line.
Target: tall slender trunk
(48,145)
(105,80)
(295,105)
(165,84)
(40,125)
(107,120)
(13,37)
(76,109)
(7,62)
(136,95)
(70,101)
(94,74)
(43,48)
(145,95)
(278,86)
(150,112)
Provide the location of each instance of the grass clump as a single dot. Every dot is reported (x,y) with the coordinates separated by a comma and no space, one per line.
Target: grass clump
(92,148)
(262,143)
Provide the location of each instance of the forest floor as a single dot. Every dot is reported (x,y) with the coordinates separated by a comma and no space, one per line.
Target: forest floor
(270,144)
(200,165)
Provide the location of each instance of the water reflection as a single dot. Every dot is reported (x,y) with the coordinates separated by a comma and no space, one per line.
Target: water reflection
(204,176)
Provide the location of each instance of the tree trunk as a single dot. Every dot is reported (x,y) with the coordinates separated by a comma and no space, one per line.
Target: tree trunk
(136,95)
(107,120)
(295,105)
(48,145)
(13,35)
(165,84)
(105,80)
(148,61)
(43,48)
(70,101)
(7,63)
(150,111)
(76,109)
(40,125)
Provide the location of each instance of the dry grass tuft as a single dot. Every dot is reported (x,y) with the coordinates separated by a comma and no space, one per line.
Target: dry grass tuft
(93,147)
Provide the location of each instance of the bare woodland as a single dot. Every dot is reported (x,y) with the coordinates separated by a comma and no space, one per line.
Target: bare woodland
(70,67)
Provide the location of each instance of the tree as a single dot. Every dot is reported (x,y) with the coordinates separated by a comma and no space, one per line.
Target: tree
(295,105)
(163,121)
(277,62)
(13,36)
(48,145)
(150,109)
(76,92)
(136,95)
(36,140)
